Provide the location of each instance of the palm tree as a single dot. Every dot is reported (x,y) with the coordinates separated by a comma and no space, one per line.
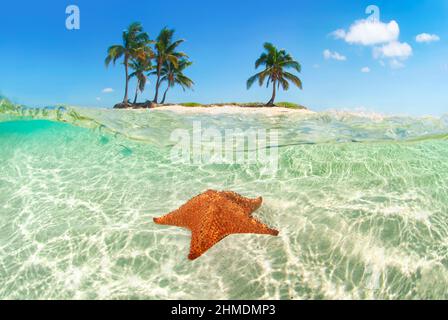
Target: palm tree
(140,66)
(275,61)
(173,75)
(165,51)
(135,45)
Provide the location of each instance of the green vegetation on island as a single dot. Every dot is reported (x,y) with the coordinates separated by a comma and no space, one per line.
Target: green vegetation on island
(288,105)
(135,47)
(146,58)
(274,62)
(160,58)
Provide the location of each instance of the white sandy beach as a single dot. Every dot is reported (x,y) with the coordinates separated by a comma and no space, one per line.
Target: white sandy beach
(232,109)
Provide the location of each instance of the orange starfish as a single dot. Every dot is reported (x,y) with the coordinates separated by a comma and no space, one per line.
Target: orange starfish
(213,215)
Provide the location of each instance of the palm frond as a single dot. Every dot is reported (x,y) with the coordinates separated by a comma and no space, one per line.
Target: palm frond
(114,53)
(292,64)
(294,79)
(165,37)
(141,81)
(174,45)
(252,80)
(284,83)
(269,47)
(173,60)
(184,81)
(262,76)
(261,60)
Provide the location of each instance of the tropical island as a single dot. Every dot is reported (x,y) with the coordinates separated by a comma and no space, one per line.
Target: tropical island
(109,204)
(160,58)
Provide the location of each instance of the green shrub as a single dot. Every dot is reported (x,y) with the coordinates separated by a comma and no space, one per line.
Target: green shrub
(191,104)
(289,105)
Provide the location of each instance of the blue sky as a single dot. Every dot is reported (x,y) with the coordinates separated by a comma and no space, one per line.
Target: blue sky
(43,63)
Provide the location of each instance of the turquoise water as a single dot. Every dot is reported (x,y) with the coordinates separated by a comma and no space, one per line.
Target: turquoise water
(361,202)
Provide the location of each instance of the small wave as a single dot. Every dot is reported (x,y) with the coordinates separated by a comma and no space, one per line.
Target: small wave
(333,126)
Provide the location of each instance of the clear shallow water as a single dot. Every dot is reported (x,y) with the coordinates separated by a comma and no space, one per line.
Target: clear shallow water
(361,204)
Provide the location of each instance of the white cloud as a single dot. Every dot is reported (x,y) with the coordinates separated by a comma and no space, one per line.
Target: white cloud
(395,64)
(426,37)
(339,34)
(400,50)
(367,33)
(382,37)
(365,70)
(334,55)
(107,90)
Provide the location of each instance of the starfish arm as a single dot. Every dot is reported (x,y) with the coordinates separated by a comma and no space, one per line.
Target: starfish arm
(247,204)
(201,242)
(251,225)
(174,218)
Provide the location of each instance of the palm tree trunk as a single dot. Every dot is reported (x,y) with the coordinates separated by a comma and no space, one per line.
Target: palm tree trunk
(164,95)
(271,102)
(159,69)
(125,99)
(136,92)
